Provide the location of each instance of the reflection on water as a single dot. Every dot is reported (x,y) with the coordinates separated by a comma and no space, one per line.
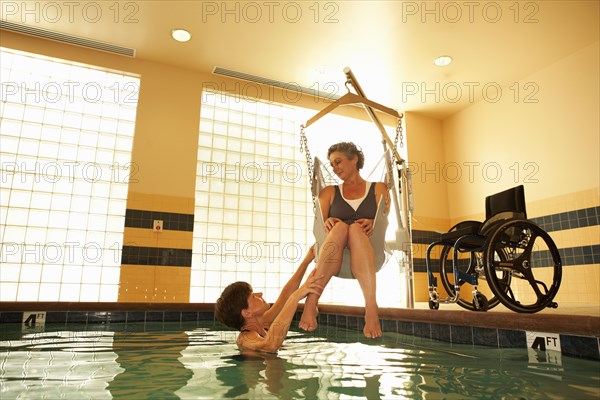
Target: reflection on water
(221,371)
(309,366)
(150,364)
(171,362)
(57,365)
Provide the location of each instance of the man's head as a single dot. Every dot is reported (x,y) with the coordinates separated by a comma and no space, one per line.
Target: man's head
(229,306)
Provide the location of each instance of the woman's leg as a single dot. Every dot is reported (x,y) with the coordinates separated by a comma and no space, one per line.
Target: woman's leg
(329,263)
(362,264)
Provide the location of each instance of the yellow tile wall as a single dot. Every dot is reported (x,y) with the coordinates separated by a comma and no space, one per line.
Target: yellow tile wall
(152,283)
(163,203)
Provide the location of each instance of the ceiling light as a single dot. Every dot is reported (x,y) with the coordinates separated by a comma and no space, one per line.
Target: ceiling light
(181,35)
(442,61)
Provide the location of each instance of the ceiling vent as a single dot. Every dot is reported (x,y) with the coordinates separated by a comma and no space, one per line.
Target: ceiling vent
(292,86)
(64,38)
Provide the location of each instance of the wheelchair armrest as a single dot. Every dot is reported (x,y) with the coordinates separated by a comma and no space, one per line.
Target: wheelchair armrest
(459,230)
(490,223)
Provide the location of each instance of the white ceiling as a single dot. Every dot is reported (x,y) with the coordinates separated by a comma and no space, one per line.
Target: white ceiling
(389,45)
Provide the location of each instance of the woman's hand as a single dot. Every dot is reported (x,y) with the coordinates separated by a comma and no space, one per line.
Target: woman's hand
(366,225)
(330,222)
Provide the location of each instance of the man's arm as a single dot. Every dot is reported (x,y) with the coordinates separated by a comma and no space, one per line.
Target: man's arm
(280,326)
(289,288)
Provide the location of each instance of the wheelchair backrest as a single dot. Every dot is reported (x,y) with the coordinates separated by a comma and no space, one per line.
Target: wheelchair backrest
(504,205)
(511,200)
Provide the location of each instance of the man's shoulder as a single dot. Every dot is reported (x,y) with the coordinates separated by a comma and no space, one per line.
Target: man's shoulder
(251,340)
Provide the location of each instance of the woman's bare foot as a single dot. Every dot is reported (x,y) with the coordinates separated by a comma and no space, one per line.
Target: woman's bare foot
(308,321)
(372,327)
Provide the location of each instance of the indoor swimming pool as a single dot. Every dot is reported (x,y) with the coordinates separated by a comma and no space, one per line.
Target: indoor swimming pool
(173,360)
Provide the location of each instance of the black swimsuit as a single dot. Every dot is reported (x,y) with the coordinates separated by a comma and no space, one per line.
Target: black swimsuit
(248,330)
(341,209)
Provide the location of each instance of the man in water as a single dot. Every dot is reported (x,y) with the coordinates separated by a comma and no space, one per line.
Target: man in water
(264,327)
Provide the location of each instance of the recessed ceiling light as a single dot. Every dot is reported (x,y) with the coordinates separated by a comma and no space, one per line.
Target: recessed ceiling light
(181,35)
(442,61)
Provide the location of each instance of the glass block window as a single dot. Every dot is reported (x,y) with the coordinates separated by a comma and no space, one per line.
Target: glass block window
(253,209)
(66,133)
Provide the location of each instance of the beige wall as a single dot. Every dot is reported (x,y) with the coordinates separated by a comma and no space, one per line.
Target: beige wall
(543,132)
(166,138)
(425,144)
(545,137)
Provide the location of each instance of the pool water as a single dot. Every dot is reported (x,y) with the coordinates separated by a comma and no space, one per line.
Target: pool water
(175,361)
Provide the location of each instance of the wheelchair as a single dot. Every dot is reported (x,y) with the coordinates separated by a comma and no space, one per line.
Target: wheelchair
(515,258)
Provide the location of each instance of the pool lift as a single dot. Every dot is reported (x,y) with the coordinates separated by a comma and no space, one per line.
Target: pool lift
(397,178)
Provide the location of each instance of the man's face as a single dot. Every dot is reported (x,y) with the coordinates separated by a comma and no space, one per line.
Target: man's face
(256,304)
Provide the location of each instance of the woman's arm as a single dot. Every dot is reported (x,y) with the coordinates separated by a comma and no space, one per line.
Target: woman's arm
(289,288)
(381,189)
(325,199)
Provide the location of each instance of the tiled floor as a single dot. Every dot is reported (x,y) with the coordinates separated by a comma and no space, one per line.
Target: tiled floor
(563,309)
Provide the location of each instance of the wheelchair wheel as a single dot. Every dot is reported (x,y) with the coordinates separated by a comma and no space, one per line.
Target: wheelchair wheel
(434,305)
(468,264)
(480,302)
(529,251)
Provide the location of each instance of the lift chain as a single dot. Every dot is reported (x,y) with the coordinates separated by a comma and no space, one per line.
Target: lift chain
(399,133)
(309,162)
(399,138)
(304,149)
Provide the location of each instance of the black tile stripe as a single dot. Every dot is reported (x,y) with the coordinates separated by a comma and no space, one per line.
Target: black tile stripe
(550,223)
(171,221)
(425,237)
(581,255)
(103,317)
(569,220)
(156,256)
